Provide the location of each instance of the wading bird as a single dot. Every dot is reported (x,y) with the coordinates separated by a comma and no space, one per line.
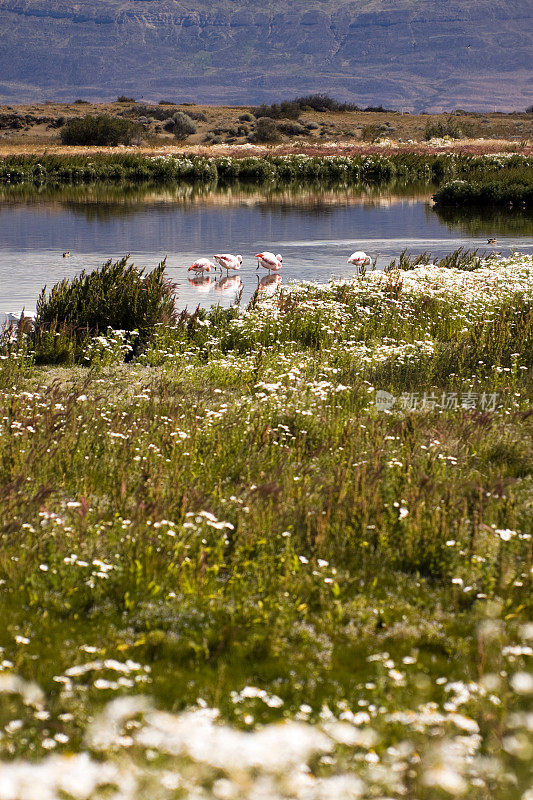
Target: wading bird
(269,261)
(66,254)
(359,258)
(492,240)
(228,261)
(202,265)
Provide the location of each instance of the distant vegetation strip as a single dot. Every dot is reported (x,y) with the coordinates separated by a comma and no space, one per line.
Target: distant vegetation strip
(54,170)
(514,187)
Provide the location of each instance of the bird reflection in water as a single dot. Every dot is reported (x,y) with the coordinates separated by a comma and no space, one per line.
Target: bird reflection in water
(231,283)
(202,283)
(269,283)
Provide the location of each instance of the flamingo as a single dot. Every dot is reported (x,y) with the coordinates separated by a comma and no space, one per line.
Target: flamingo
(228,261)
(202,265)
(359,258)
(269,260)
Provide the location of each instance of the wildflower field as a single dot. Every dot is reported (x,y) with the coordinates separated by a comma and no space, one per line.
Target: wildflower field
(276,552)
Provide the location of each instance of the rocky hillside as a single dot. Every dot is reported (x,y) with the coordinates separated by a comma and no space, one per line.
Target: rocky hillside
(432,54)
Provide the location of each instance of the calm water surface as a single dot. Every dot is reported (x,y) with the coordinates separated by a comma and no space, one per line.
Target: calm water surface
(315,230)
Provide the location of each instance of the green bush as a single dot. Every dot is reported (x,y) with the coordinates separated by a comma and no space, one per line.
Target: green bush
(118,295)
(265,131)
(292,128)
(102,129)
(450,128)
(183,126)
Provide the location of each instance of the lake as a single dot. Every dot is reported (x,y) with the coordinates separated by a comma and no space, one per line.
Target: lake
(315,229)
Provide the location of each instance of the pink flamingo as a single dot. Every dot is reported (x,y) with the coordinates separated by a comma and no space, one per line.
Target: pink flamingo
(228,261)
(269,260)
(202,265)
(359,258)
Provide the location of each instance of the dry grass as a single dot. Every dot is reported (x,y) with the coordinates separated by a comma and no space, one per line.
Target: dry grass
(338,130)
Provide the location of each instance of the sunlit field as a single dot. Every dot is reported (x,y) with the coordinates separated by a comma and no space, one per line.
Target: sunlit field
(281,551)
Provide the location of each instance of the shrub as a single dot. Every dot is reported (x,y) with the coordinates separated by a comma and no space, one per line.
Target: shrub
(124,99)
(372,132)
(118,295)
(378,109)
(323,103)
(183,125)
(286,110)
(102,129)
(199,116)
(80,102)
(266,130)
(449,127)
(246,117)
(291,128)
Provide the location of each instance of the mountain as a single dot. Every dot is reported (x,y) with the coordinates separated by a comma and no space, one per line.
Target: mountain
(424,55)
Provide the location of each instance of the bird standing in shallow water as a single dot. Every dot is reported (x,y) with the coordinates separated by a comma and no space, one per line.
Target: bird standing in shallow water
(269,260)
(202,265)
(228,261)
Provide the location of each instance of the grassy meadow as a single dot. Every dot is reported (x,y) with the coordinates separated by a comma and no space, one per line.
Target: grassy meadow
(275,552)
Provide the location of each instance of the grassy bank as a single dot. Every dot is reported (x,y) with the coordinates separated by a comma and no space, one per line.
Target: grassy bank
(236,519)
(56,170)
(494,188)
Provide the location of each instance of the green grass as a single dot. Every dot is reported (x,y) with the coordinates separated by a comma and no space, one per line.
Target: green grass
(231,509)
(513,187)
(56,170)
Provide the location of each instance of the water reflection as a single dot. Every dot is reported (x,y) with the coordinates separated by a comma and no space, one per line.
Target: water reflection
(201,283)
(491,221)
(231,284)
(269,283)
(100,201)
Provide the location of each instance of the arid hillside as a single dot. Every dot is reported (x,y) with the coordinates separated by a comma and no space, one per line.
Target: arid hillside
(35,126)
(427,55)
